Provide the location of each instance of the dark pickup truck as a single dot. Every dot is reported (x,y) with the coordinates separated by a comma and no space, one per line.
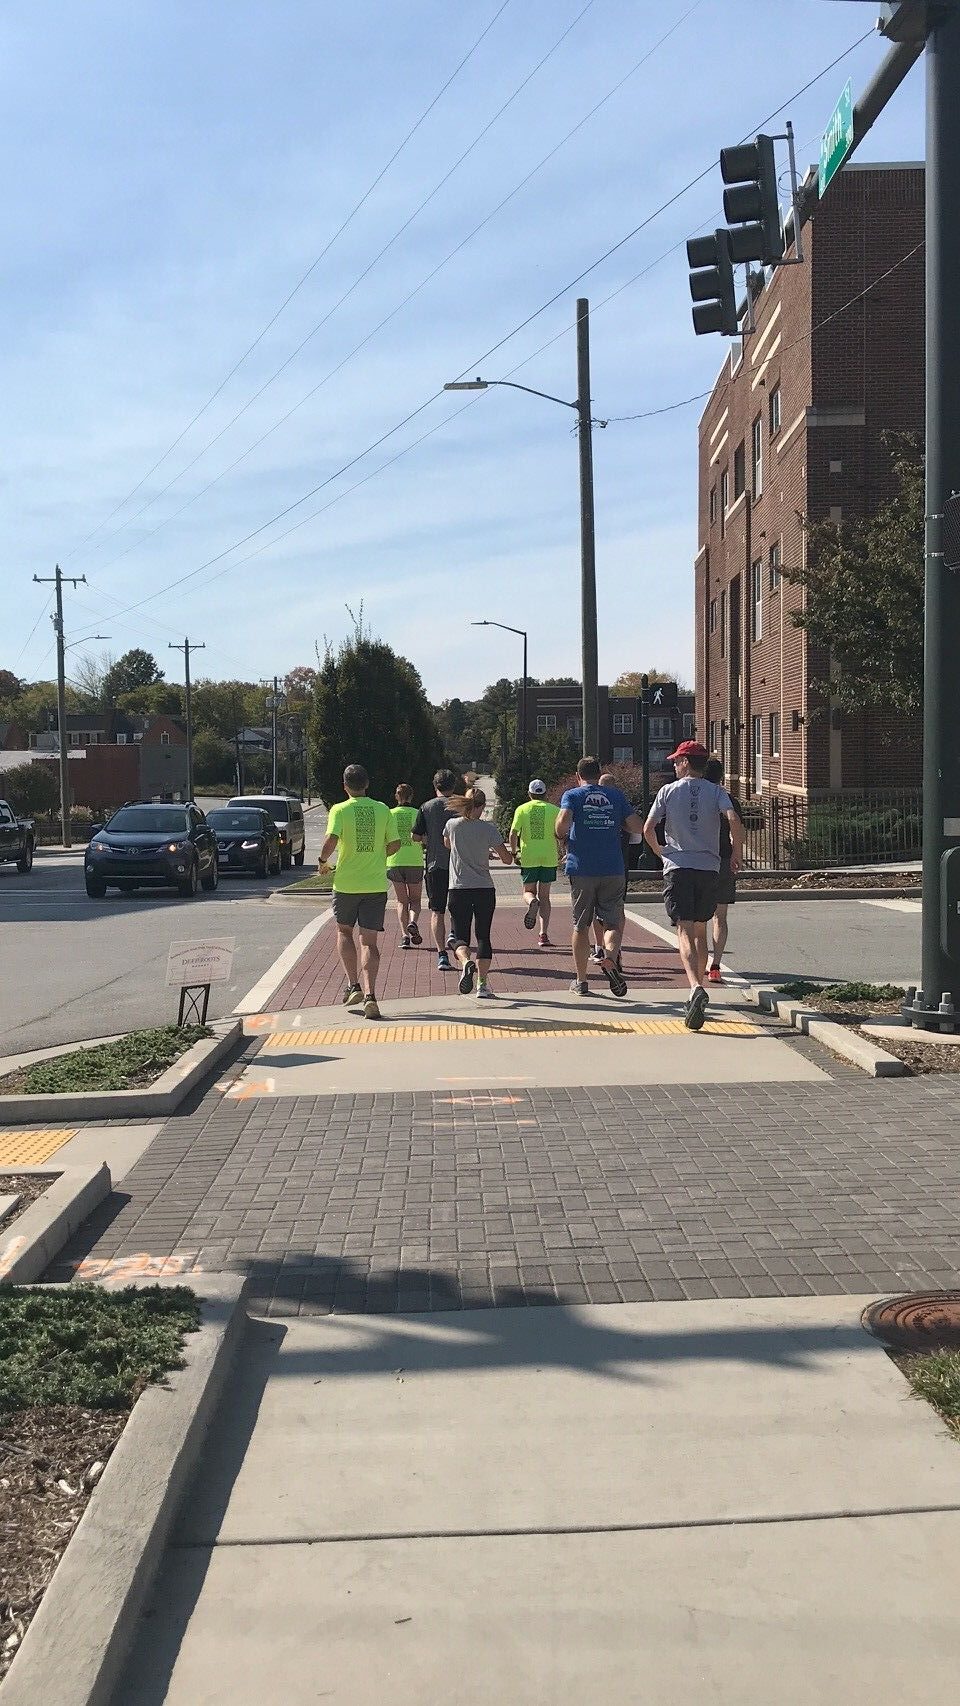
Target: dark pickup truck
(16,838)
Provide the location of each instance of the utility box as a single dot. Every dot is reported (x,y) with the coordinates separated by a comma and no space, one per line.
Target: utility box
(950,903)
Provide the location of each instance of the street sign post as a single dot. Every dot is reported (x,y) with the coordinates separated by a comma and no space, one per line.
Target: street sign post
(837,140)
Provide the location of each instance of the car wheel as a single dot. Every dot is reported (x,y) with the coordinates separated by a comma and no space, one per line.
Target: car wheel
(95,889)
(299,857)
(263,865)
(25,862)
(211,878)
(188,888)
(277,865)
(286,858)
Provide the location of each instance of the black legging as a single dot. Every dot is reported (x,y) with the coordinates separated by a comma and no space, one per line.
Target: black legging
(473,907)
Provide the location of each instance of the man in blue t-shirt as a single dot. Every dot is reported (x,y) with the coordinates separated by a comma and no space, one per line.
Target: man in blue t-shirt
(691,810)
(588,832)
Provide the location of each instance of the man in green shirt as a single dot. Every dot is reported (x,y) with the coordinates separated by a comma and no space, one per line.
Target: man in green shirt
(362,832)
(533,845)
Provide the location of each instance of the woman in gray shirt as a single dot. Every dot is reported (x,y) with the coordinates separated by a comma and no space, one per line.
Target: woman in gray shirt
(473,841)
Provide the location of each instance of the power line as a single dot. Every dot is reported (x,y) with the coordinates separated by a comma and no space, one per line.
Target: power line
(352,287)
(428,277)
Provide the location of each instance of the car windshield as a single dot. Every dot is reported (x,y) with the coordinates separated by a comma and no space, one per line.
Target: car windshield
(277,809)
(250,822)
(148,820)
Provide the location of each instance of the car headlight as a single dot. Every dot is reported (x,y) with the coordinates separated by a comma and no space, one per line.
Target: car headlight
(176,846)
(100,847)
(249,844)
(283,835)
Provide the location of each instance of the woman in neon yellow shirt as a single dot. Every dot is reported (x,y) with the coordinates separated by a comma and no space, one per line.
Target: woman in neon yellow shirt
(405,867)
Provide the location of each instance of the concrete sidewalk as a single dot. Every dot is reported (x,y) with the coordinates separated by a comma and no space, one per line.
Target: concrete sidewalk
(733,1502)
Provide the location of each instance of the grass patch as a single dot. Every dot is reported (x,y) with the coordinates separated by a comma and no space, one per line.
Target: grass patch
(853,994)
(935,1376)
(127,1064)
(311,885)
(90,1347)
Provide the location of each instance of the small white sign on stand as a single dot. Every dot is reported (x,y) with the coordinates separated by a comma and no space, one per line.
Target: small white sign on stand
(195,966)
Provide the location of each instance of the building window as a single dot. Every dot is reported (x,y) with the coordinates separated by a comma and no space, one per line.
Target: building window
(73,739)
(121,740)
(544,721)
(623,755)
(775,566)
(774,734)
(756,600)
(623,722)
(739,471)
(661,728)
(689,725)
(724,500)
(713,505)
(713,736)
(713,615)
(723,623)
(574,726)
(165,737)
(775,411)
(757,732)
(756,458)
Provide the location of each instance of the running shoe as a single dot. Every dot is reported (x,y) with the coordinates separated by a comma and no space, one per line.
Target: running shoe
(415,935)
(443,962)
(451,941)
(370,1008)
(467,976)
(353,995)
(614,977)
(579,988)
(485,993)
(545,941)
(715,975)
(696,1010)
(405,941)
(530,916)
(596,954)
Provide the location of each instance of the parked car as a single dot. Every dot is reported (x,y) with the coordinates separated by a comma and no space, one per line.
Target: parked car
(17,838)
(152,846)
(287,814)
(247,839)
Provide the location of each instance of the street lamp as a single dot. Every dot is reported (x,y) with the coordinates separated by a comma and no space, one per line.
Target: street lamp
(523,690)
(588,565)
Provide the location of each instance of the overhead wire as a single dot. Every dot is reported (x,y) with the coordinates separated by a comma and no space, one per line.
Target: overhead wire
(301,281)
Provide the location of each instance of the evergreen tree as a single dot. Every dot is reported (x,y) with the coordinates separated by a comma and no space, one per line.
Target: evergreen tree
(369,708)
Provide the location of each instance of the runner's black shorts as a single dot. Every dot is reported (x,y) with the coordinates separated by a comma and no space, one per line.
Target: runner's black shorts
(438,882)
(473,908)
(690,897)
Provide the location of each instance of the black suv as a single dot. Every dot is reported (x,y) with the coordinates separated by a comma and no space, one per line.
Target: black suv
(152,846)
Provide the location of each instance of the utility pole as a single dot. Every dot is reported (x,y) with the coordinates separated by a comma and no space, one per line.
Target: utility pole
(273,734)
(186,648)
(57,580)
(588,559)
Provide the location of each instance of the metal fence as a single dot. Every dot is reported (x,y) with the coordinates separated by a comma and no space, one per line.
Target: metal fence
(791,833)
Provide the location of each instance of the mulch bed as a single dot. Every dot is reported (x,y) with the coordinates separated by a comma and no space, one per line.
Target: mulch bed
(50,1461)
(918,1057)
(27,1186)
(747,882)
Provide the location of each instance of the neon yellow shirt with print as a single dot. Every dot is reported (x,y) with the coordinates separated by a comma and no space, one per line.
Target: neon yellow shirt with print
(533,824)
(409,855)
(362,828)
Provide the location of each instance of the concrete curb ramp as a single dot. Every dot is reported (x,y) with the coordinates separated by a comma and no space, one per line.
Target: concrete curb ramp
(39,1234)
(840,1039)
(76,1646)
(161,1097)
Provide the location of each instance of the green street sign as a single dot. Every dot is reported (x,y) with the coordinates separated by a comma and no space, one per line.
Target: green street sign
(837,140)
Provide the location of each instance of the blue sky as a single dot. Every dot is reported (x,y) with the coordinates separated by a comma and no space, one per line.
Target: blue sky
(171,172)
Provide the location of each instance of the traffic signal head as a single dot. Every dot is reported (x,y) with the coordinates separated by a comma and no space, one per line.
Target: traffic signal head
(711,284)
(753,204)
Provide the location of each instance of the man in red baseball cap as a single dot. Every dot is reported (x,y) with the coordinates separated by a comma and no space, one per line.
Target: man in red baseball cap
(691,810)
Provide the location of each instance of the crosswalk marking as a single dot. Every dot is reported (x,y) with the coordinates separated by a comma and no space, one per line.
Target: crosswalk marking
(283,1042)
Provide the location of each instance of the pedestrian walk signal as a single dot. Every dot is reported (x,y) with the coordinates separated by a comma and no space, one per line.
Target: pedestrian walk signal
(712,285)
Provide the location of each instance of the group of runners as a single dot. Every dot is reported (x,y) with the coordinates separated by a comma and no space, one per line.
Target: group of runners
(447,846)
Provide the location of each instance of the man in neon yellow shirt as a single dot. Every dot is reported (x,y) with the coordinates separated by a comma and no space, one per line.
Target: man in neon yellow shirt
(363,834)
(532,833)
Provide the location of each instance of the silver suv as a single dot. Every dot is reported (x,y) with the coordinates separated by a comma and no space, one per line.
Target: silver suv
(287,814)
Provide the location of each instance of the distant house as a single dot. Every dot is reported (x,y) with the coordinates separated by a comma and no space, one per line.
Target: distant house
(120,758)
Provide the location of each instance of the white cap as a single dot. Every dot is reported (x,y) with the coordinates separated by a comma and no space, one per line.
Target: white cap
(537,787)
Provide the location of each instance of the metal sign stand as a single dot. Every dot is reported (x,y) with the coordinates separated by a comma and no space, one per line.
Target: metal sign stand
(194,998)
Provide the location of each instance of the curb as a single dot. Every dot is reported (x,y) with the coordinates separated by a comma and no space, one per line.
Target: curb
(74,1650)
(312,898)
(43,1229)
(840,1039)
(799,894)
(161,1097)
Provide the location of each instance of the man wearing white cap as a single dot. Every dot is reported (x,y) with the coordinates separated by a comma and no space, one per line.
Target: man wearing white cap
(534,846)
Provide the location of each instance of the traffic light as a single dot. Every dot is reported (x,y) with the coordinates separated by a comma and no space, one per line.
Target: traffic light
(711,284)
(753,205)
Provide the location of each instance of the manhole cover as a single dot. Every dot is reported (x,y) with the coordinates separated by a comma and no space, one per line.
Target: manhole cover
(918,1322)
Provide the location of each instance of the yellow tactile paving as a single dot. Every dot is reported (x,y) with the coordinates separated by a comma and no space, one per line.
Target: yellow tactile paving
(23,1148)
(282,1042)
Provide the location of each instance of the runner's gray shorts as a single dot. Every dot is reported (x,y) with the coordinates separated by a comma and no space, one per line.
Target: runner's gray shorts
(597,897)
(365,910)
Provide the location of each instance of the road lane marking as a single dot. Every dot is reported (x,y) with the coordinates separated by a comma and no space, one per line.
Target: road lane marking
(666,935)
(270,982)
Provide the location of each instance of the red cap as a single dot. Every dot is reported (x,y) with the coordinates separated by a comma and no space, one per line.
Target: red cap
(689,749)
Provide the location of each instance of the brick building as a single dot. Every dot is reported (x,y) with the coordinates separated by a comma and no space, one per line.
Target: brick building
(119,757)
(561,707)
(794,429)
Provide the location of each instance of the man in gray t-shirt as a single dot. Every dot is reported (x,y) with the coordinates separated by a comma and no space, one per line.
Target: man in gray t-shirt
(691,810)
(428,827)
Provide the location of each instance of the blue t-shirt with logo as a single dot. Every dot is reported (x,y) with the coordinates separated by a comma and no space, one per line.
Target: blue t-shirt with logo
(593,845)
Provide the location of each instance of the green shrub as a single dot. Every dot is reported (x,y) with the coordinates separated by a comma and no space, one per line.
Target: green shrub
(83,1345)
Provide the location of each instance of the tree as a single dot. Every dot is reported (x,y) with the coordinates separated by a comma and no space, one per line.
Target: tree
(162,698)
(551,755)
(629,685)
(31,788)
(864,595)
(88,674)
(213,759)
(557,681)
(134,669)
(10,685)
(300,682)
(369,708)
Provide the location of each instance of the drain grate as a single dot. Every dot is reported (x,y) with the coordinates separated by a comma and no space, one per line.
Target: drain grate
(920,1321)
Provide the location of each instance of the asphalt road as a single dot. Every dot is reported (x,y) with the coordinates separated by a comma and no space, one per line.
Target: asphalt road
(71,967)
